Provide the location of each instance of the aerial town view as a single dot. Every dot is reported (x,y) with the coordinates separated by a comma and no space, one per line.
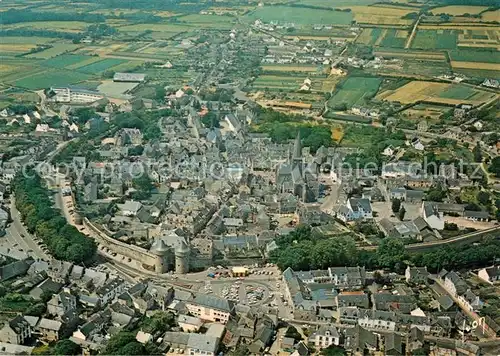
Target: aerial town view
(250,177)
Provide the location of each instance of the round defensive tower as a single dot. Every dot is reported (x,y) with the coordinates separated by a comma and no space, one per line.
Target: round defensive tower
(182,257)
(160,249)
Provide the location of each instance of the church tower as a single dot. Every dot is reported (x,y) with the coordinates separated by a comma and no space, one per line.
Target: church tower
(297,151)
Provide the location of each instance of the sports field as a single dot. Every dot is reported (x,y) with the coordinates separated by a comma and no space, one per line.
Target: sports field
(353,90)
(443,93)
(299,16)
(50,78)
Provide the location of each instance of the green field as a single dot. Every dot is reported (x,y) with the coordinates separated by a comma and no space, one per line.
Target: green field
(64,60)
(171,28)
(208,21)
(51,78)
(337,3)
(464,55)
(101,66)
(57,49)
(300,16)
(392,41)
(352,91)
(23,40)
(458,92)
(435,39)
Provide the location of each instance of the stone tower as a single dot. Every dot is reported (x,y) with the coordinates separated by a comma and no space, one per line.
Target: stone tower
(182,257)
(297,151)
(161,250)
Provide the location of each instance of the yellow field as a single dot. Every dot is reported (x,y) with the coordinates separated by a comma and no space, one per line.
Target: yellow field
(67,26)
(316,38)
(114,11)
(165,14)
(6,68)
(430,91)
(402,34)
(416,55)
(458,26)
(491,15)
(21,48)
(337,133)
(380,15)
(290,68)
(475,65)
(456,10)
(381,37)
(478,45)
(365,36)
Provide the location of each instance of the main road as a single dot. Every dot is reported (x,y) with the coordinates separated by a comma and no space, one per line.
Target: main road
(16,233)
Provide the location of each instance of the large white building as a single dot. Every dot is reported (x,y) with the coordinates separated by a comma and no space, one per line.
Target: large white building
(210,308)
(432,216)
(75,95)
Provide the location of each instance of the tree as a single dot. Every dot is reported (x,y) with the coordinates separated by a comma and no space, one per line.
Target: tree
(143,184)
(391,253)
(396,205)
(436,194)
(117,342)
(495,166)
(293,333)
(133,348)
(478,155)
(401,214)
(67,347)
(483,198)
(158,323)
(333,350)
(36,310)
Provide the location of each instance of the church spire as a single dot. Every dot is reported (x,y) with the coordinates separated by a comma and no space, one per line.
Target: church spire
(297,148)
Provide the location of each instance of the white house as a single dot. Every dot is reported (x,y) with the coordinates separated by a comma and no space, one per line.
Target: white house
(454,284)
(355,209)
(380,320)
(325,336)
(490,274)
(389,151)
(478,125)
(130,207)
(470,301)
(432,216)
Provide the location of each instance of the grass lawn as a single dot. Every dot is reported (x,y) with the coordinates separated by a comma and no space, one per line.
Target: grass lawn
(457,92)
(352,91)
(300,16)
(465,55)
(64,60)
(51,78)
(435,39)
(392,40)
(101,66)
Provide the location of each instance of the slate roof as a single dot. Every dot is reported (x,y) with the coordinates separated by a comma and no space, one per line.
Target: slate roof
(50,324)
(214,302)
(203,342)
